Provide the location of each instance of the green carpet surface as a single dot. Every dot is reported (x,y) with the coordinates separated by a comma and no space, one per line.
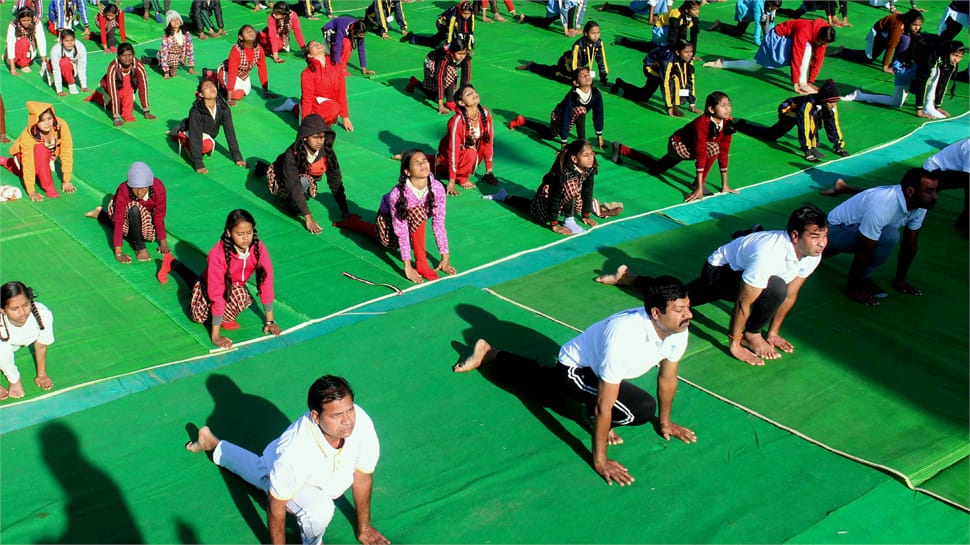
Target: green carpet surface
(463,462)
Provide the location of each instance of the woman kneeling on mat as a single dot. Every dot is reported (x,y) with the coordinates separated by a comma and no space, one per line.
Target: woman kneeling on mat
(219,295)
(137,213)
(402,218)
(199,130)
(566,190)
(23,322)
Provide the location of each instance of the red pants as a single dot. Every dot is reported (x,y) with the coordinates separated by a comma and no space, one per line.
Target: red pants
(21,51)
(328,110)
(467,160)
(208,144)
(67,70)
(42,169)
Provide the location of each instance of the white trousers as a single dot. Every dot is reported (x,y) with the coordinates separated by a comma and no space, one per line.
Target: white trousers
(313,508)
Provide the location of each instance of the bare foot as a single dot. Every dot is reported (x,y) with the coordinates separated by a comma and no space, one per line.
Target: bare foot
(204,443)
(613,438)
(759,346)
(622,277)
(142,255)
(838,187)
(17,389)
(93,213)
(480,354)
(719,63)
(4,394)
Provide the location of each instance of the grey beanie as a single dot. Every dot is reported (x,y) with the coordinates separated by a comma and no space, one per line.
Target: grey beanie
(140,175)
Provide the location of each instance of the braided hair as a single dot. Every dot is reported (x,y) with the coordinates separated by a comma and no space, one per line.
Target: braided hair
(563,162)
(401,206)
(234,218)
(7,292)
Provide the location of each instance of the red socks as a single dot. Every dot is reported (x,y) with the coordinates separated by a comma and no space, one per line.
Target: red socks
(412,84)
(230,325)
(419,241)
(354,223)
(517,122)
(624,150)
(166,267)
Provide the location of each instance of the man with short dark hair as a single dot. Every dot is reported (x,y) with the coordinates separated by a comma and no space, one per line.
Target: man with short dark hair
(595,366)
(332,447)
(762,273)
(868,225)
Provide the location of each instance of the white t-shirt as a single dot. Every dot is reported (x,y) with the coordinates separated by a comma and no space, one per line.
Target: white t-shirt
(623,346)
(30,332)
(303,457)
(763,255)
(956,157)
(875,209)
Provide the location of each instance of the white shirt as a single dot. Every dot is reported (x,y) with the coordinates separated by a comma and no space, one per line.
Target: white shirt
(303,457)
(80,59)
(762,255)
(875,209)
(956,157)
(30,332)
(623,346)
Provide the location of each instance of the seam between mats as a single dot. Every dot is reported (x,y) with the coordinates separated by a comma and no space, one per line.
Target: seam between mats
(777,424)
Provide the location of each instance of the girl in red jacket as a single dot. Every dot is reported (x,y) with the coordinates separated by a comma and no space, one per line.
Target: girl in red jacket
(324,89)
(136,213)
(799,43)
(276,35)
(111,19)
(468,142)
(219,294)
(243,57)
(705,140)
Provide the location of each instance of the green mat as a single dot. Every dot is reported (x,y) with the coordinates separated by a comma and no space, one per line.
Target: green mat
(837,392)
(463,460)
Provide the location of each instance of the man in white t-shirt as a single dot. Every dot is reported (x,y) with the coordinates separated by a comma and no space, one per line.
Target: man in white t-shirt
(951,165)
(868,225)
(329,449)
(594,369)
(762,273)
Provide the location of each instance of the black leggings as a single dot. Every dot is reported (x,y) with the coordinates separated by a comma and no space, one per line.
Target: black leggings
(645,46)
(634,93)
(722,283)
(134,236)
(767,134)
(633,407)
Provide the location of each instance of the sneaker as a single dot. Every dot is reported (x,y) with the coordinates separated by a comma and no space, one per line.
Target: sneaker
(810,157)
(159,18)
(818,153)
(615,157)
(851,96)
(72,88)
(497,196)
(870,286)
(841,152)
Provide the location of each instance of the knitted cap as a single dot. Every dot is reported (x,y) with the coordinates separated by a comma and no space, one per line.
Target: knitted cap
(171,14)
(828,92)
(140,175)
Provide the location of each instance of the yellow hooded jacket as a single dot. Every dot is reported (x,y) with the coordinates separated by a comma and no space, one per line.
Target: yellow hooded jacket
(24,144)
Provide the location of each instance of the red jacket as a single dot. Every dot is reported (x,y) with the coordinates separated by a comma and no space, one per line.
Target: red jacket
(803,32)
(456,140)
(696,134)
(272,29)
(324,81)
(156,202)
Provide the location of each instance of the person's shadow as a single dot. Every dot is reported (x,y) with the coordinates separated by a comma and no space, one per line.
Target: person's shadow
(96,509)
(250,422)
(525,384)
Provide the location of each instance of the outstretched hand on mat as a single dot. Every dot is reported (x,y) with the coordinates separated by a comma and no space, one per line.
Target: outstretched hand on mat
(612,471)
(669,429)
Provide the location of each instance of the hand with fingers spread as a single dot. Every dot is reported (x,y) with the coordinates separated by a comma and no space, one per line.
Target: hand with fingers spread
(612,471)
